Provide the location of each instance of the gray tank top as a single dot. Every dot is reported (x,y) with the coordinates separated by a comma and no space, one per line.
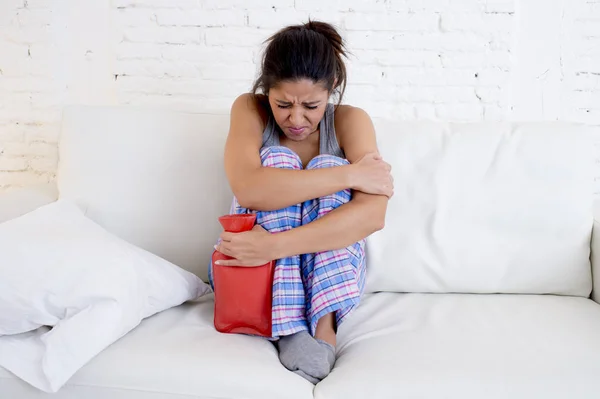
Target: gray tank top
(328,143)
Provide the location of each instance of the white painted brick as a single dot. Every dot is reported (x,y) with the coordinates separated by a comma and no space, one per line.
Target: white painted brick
(43,164)
(425,112)
(138,17)
(39,4)
(459,112)
(156,3)
(471,60)
(589,27)
(585,99)
(201,88)
(434,6)
(33,149)
(176,35)
(489,94)
(201,53)
(476,22)
(12,51)
(29,85)
(468,5)
(402,64)
(440,95)
(8,164)
(492,77)
(493,112)
(276,19)
(237,37)
(205,18)
(181,103)
(431,77)
(341,5)
(396,57)
(11,133)
(359,40)
(157,69)
(35,17)
(22,179)
(30,35)
(584,80)
(212,70)
(46,133)
(500,6)
(590,63)
(366,74)
(127,51)
(246,4)
(592,9)
(393,21)
(372,92)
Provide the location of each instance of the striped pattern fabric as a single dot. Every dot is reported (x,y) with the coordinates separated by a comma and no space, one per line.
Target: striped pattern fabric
(307,287)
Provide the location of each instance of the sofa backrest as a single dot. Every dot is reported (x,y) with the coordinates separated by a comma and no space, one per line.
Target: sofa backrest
(153,177)
(486,208)
(480,208)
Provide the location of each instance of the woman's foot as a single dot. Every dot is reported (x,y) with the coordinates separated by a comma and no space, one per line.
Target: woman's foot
(306,356)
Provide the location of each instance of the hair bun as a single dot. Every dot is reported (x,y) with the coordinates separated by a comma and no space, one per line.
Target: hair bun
(330,33)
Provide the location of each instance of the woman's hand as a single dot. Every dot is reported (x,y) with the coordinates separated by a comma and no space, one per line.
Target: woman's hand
(250,248)
(372,175)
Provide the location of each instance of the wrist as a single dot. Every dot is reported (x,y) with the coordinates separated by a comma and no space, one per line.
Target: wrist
(276,245)
(350,176)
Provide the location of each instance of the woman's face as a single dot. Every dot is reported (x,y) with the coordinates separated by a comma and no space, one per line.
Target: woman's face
(298,107)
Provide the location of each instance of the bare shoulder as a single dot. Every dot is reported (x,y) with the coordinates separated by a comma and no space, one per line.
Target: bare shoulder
(247,107)
(355,132)
(349,117)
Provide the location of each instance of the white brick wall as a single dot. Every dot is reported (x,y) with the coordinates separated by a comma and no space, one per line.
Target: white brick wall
(458,60)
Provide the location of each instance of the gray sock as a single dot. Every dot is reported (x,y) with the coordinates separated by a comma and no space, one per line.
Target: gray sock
(306,356)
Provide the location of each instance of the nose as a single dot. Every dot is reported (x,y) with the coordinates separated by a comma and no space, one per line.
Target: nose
(296,116)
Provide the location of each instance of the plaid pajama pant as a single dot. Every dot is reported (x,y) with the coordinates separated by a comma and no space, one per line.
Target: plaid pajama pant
(308,287)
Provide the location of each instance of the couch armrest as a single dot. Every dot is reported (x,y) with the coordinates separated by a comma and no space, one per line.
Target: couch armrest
(595,256)
(24,200)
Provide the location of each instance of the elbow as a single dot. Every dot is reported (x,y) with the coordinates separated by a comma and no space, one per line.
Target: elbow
(378,225)
(375,222)
(245,198)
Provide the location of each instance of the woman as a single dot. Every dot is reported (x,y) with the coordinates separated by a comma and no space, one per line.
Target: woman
(312,173)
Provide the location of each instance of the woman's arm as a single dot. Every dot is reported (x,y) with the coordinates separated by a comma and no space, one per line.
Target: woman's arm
(264,189)
(351,222)
(340,228)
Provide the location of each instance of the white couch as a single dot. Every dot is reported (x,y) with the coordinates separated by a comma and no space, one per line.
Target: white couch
(480,285)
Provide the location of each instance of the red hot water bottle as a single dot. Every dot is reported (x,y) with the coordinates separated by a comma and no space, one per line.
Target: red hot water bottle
(243,295)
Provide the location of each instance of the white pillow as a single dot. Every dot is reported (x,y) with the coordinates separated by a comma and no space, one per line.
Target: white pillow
(69,289)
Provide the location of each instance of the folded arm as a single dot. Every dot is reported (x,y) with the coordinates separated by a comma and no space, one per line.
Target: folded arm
(351,222)
(266,189)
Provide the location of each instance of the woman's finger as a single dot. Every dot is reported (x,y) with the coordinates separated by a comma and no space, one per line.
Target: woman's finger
(235,262)
(226,236)
(224,249)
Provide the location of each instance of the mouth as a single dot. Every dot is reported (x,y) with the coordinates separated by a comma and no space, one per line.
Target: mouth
(296,130)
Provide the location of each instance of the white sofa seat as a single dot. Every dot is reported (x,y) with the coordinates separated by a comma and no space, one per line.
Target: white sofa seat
(468,347)
(177,354)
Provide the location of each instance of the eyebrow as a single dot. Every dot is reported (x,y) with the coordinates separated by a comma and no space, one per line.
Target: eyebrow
(305,103)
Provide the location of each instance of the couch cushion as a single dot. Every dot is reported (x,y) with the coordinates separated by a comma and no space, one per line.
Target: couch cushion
(177,354)
(486,208)
(468,347)
(153,177)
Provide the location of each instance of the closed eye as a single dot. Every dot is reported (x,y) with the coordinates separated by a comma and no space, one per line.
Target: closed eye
(288,106)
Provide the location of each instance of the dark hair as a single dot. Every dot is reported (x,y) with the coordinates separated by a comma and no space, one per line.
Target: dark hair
(312,50)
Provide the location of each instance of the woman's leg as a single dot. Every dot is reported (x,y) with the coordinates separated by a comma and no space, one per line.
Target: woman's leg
(333,280)
(288,293)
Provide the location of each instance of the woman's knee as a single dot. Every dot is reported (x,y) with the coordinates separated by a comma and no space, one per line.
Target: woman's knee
(280,157)
(326,161)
